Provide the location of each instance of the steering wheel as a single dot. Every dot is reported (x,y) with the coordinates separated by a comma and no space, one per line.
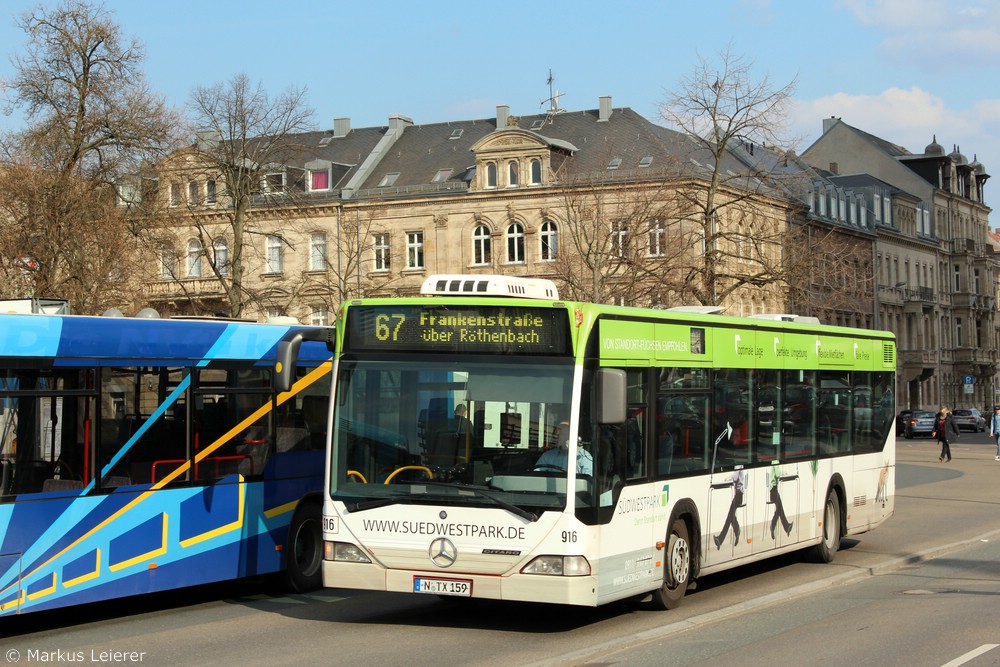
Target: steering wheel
(548,467)
(423,469)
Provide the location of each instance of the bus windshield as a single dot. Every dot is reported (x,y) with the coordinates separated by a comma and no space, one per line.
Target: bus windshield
(441,430)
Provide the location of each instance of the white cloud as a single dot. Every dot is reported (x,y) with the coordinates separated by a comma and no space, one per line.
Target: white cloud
(908,118)
(915,30)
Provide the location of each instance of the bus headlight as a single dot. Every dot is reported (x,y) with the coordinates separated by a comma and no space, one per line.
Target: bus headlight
(560,566)
(344,551)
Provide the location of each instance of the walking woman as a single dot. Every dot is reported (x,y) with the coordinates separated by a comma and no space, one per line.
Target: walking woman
(995,428)
(944,430)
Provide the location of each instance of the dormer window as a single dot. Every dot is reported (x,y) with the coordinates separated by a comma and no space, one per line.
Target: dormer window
(491,175)
(388,180)
(646,161)
(442,175)
(537,124)
(274,181)
(456,134)
(536,172)
(614,164)
(319,180)
(319,175)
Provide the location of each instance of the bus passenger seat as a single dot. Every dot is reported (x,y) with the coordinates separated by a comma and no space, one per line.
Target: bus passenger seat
(61,485)
(444,449)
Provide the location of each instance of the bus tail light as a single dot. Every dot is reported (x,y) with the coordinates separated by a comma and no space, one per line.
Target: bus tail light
(345,552)
(559,566)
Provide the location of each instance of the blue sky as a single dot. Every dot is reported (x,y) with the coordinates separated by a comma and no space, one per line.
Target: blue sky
(905,70)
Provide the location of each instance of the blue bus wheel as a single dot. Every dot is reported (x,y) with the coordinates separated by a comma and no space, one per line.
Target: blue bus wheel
(304,551)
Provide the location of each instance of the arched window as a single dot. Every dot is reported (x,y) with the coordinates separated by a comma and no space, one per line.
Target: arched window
(221,251)
(512,173)
(481,250)
(515,243)
(491,175)
(536,172)
(194,258)
(550,240)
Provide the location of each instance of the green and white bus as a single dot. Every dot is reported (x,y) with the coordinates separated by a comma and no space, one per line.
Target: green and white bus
(488,440)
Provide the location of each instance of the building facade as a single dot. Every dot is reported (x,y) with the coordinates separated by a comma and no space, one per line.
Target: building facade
(936,285)
(602,201)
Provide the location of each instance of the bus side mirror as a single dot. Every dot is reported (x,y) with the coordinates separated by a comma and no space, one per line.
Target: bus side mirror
(611,396)
(284,363)
(287,354)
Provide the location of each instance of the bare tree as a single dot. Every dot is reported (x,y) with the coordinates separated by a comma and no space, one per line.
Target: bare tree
(246,142)
(613,242)
(830,273)
(727,113)
(90,119)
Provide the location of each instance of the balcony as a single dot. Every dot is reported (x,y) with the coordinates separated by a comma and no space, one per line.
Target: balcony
(974,356)
(187,287)
(892,295)
(918,300)
(980,302)
(963,299)
(965,246)
(917,364)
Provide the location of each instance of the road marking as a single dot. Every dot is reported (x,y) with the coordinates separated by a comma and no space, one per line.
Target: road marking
(962,659)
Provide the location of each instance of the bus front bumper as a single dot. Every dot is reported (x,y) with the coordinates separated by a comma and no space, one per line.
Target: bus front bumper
(578,590)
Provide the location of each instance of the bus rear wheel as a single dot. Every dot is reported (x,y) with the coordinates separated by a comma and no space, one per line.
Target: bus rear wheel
(830,544)
(304,551)
(676,568)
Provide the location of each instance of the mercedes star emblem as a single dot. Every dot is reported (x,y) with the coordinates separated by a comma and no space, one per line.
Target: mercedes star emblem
(443,552)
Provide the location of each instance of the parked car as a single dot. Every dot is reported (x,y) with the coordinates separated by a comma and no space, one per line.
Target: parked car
(901,419)
(969,419)
(920,422)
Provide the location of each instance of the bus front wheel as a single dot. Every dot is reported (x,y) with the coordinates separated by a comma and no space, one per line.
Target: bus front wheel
(830,544)
(304,552)
(676,568)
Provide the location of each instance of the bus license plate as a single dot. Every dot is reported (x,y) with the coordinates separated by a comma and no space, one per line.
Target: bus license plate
(458,587)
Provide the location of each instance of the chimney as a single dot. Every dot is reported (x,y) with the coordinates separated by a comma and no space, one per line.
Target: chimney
(398,123)
(503,112)
(604,110)
(206,140)
(834,168)
(341,127)
(828,123)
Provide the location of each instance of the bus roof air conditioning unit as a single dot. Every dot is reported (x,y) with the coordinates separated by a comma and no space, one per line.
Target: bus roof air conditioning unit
(461,285)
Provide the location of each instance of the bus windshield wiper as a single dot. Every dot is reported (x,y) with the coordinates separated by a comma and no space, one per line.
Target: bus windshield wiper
(378,502)
(510,507)
(408,498)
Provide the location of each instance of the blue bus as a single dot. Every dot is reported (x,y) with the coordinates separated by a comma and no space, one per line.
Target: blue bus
(141,455)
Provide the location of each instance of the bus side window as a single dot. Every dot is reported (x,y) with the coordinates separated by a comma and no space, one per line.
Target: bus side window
(731,410)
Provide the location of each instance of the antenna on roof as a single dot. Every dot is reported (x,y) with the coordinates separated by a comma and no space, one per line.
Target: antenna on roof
(553,99)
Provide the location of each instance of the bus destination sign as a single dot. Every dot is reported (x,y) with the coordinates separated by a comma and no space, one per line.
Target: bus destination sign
(456,328)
